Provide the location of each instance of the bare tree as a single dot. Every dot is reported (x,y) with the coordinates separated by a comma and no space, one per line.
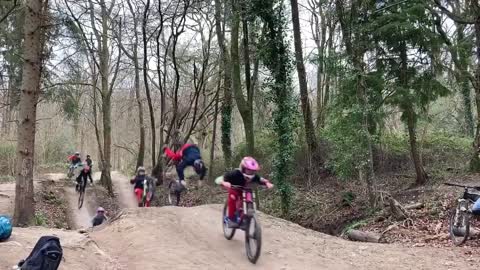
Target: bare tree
(100,53)
(132,54)
(302,78)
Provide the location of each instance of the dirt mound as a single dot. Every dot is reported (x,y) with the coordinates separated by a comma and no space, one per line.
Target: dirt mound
(80,252)
(191,238)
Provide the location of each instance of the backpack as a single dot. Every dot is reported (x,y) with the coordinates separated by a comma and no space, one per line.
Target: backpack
(46,255)
(5,228)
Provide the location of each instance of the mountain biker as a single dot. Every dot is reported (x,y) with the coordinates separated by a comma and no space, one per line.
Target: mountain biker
(188,155)
(138,188)
(244,175)
(89,162)
(75,159)
(83,176)
(100,217)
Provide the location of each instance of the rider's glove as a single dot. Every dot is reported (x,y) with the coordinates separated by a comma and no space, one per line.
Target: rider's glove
(226,185)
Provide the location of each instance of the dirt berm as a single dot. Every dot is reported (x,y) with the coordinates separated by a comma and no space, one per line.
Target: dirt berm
(191,238)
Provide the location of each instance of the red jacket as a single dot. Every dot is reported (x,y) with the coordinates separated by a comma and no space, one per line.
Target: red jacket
(74,159)
(179,154)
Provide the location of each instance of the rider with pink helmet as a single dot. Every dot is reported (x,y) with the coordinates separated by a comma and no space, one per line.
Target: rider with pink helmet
(245,174)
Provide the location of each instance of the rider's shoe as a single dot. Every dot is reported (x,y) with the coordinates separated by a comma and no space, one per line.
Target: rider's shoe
(91,184)
(232,224)
(183,183)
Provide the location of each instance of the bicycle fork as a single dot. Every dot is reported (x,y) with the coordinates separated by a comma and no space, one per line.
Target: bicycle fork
(462,208)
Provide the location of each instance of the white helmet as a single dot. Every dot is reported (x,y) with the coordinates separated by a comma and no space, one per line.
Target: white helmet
(141,170)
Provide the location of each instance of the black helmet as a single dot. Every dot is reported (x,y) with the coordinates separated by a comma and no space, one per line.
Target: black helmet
(199,166)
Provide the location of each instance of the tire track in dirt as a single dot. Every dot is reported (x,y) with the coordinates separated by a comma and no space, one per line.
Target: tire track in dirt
(80,217)
(124,189)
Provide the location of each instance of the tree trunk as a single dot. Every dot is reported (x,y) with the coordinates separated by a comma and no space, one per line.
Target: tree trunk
(322,83)
(141,146)
(105,177)
(475,161)
(242,104)
(302,78)
(227,92)
(24,211)
(467,105)
(464,60)
(357,235)
(145,81)
(248,111)
(411,120)
(214,132)
(134,58)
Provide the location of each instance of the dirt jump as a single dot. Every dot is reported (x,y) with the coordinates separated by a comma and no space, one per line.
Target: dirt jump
(192,238)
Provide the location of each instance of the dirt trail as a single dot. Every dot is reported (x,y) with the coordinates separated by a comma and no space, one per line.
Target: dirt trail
(122,187)
(192,238)
(80,217)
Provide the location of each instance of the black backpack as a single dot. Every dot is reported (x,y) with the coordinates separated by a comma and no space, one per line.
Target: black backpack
(46,255)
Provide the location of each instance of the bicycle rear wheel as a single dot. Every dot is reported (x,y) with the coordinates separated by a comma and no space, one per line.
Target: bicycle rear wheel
(459,225)
(227,232)
(253,238)
(174,193)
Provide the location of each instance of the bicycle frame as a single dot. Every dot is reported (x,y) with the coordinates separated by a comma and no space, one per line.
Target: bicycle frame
(248,197)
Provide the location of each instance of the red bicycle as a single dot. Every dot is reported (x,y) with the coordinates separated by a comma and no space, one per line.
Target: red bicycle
(248,222)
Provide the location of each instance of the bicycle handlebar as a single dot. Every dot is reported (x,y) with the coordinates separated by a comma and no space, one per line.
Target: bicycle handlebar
(463,186)
(248,187)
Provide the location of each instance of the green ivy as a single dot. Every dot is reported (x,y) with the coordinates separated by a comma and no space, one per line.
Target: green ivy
(274,54)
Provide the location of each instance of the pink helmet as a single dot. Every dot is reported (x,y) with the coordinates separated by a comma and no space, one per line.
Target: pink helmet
(100,209)
(249,163)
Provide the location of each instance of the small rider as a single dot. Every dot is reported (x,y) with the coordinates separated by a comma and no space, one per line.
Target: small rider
(244,175)
(83,176)
(100,217)
(89,162)
(138,188)
(188,155)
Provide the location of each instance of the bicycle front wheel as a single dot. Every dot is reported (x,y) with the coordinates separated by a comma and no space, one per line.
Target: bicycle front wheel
(459,225)
(227,232)
(253,239)
(80,198)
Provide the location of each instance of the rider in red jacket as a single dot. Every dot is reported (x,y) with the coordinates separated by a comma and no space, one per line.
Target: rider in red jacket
(188,155)
(75,159)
